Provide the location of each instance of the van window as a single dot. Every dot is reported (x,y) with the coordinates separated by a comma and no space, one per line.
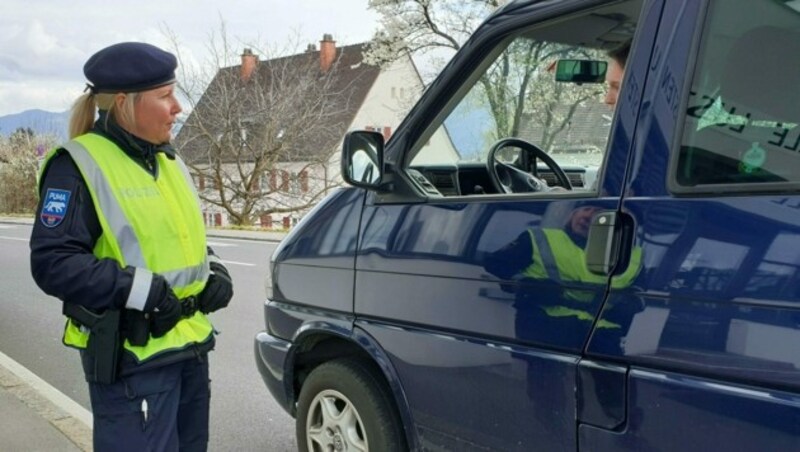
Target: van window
(513,93)
(518,96)
(742,124)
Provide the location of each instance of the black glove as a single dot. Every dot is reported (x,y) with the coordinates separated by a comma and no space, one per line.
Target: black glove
(218,291)
(162,307)
(166,316)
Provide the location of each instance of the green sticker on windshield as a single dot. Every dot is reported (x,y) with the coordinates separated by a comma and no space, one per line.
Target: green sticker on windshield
(752,159)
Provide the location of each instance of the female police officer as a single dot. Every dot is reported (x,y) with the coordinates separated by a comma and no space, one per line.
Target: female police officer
(119,238)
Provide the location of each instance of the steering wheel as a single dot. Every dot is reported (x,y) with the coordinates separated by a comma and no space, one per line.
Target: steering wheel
(508,178)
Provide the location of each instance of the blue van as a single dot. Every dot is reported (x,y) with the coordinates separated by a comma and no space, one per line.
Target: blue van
(522,267)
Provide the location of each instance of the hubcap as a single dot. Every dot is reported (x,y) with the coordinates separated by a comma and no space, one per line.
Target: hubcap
(333,424)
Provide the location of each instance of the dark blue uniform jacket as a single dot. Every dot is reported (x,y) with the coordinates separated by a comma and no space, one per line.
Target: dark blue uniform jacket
(62,262)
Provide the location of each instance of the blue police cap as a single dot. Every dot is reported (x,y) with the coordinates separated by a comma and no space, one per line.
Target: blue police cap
(129,67)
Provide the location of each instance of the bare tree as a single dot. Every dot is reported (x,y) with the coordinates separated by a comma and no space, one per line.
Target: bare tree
(554,106)
(520,88)
(425,28)
(262,135)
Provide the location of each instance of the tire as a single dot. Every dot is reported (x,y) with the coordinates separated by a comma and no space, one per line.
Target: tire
(344,406)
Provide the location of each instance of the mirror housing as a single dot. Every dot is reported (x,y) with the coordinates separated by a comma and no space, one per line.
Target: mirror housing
(581,71)
(362,159)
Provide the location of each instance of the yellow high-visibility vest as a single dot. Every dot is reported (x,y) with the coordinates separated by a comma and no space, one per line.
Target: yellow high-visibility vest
(569,266)
(154,225)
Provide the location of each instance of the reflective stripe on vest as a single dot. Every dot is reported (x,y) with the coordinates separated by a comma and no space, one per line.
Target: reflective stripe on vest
(557,258)
(154,225)
(563,311)
(121,231)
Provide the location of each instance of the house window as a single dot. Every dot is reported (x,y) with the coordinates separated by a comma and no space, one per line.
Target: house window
(394,92)
(263,180)
(298,183)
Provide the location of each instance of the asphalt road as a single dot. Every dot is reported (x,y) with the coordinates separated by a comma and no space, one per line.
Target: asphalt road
(244,417)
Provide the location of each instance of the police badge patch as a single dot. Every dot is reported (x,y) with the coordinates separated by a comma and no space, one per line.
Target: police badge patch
(54,208)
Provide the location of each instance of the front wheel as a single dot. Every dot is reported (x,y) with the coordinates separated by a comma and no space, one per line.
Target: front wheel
(344,406)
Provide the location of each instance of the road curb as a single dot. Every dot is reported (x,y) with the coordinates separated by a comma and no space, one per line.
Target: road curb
(67,416)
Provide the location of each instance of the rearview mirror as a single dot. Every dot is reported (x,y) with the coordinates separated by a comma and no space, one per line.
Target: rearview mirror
(581,71)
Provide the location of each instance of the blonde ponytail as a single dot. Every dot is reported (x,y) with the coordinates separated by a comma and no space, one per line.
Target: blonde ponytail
(82,115)
(84,111)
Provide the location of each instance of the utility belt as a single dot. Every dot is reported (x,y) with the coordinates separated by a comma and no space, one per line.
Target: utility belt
(135,326)
(109,330)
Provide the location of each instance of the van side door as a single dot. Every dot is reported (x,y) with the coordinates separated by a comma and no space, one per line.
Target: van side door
(708,353)
(471,270)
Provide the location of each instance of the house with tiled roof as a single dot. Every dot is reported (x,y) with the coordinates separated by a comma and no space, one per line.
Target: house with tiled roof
(586,131)
(288,129)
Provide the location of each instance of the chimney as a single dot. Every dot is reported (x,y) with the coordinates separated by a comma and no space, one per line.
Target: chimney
(327,52)
(311,48)
(249,62)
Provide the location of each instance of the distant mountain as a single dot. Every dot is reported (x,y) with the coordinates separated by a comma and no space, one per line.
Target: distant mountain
(40,121)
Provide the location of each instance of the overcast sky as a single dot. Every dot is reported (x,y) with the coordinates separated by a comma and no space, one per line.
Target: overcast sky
(44,43)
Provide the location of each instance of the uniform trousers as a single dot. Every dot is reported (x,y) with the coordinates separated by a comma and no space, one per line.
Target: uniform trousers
(161,410)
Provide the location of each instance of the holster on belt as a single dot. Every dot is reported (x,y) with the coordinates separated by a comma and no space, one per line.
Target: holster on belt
(136,326)
(104,340)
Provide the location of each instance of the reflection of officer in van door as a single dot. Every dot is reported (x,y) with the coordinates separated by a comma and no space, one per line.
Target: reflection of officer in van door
(556,299)
(560,308)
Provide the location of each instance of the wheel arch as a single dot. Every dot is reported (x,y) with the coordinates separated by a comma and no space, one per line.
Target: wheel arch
(314,346)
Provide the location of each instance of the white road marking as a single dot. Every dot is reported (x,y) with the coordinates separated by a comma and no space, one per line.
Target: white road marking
(7,226)
(220,244)
(242,240)
(246,264)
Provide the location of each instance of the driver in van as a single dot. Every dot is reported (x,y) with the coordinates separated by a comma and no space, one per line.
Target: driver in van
(617,57)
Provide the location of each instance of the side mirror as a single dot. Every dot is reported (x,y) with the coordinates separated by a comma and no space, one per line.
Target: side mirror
(362,159)
(581,71)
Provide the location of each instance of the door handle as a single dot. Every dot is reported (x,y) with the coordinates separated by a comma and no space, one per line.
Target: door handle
(603,244)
